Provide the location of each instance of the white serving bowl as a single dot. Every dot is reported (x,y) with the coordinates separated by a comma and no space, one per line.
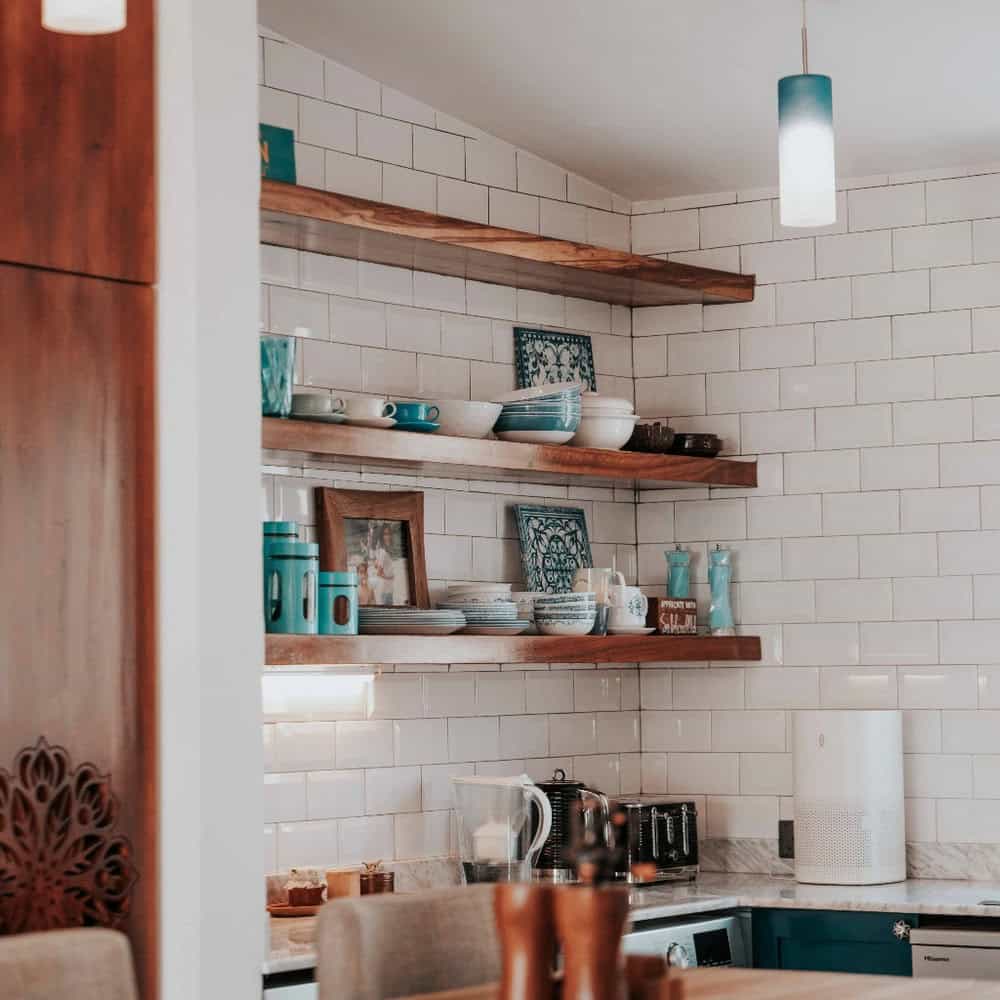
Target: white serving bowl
(565,628)
(592,402)
(461,418)
(604,431)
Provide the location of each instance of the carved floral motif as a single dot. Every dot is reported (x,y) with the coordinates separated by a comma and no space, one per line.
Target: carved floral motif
(61,863)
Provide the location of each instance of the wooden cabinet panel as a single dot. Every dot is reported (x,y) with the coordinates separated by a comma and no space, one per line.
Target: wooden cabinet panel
(831,941)
(77,146)
(77,556)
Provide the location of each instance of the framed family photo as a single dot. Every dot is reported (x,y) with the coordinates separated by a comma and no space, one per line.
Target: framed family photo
(379,536)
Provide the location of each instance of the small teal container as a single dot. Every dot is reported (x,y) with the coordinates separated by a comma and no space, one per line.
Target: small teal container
(291,576)
(338,604)
(280,531)
(277,375)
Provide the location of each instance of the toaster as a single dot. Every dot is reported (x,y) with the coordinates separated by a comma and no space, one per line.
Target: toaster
(661,842)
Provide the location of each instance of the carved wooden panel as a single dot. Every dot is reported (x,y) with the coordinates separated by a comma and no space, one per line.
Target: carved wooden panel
(77,518)
(63,862)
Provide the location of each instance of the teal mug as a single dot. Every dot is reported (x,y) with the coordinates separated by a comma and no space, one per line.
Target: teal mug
(407,413)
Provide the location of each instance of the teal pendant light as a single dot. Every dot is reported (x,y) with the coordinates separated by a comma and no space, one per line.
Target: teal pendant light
(807,182)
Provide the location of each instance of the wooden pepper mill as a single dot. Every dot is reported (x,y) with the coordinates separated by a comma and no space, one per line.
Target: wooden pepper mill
(590,921)
(526,928)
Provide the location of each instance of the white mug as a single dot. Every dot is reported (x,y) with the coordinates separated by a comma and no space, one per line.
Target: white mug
(316,403)
(628,605)
(369,409)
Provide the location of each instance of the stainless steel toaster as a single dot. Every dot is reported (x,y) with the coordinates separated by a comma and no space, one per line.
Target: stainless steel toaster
(661,842)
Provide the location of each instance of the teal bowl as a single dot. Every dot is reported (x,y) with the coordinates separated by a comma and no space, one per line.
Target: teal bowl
(565,422)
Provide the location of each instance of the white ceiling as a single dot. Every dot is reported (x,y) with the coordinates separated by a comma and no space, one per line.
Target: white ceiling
(664,97)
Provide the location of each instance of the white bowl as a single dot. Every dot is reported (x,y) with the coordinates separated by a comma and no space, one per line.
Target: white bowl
(594,403)
(565,628)
(536,437)
(605,431)
(461,418)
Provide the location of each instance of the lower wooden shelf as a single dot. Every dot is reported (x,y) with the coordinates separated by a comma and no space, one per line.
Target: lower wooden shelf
(302,650)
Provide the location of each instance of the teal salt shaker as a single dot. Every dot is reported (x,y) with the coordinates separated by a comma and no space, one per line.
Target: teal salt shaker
(277,375)
(291,572)
(720,575)
(338,604)
(679,577)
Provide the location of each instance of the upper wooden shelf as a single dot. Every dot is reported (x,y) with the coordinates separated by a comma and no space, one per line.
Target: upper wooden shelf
(326,222)
(302,650)
(437,454)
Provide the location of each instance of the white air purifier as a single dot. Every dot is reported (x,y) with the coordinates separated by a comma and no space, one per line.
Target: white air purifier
(850,826)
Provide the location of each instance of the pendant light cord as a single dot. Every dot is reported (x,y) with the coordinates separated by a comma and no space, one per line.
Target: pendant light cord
(805,41)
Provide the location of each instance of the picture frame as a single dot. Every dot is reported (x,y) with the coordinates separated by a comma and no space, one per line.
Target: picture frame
(379,535)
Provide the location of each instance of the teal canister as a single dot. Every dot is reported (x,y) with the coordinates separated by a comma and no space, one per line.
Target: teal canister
(280,531)
(291,576)
(338,603)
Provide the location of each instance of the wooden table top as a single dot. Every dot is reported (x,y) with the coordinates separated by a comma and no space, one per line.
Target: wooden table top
(766,984)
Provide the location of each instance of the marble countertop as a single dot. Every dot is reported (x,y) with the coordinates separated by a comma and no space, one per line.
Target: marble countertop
(292,941)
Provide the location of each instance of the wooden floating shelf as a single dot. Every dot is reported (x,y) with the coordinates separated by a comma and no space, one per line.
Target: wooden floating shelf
(325,222)
(302,650)
(473,458)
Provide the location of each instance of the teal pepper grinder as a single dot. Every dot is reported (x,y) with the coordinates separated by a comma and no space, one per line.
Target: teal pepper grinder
(679,577)
(720,575)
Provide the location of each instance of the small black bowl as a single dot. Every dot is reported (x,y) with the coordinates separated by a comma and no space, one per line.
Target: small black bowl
(656,437)
(700,445)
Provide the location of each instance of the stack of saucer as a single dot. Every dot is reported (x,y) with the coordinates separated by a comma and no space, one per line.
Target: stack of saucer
(488,617)
(566,614)
(409,621)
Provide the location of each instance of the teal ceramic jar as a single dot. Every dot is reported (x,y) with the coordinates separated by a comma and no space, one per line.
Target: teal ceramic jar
(291,572)
(338,604)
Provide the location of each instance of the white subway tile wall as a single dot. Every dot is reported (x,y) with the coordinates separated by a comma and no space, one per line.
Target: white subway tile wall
(358,763)
(864,374)
(869,368)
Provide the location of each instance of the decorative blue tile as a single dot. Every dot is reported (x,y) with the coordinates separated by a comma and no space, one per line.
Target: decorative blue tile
(554,544)
(544,357)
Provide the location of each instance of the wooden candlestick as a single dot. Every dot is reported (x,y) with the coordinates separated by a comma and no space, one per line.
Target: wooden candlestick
(526,928)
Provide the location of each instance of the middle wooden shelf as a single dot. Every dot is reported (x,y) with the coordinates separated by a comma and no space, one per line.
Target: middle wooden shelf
(438,454)
(303,650)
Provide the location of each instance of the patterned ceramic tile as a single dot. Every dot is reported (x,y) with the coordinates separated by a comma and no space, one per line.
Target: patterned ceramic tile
(554,544)
(544,357)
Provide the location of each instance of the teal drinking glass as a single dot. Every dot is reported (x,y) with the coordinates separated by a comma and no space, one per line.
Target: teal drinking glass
(277,373)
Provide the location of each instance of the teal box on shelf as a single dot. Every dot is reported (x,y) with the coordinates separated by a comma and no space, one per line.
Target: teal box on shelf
(291,571)
(338,604)
(277,153)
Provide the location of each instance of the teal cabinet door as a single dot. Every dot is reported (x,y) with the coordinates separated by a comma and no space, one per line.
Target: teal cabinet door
(831,941)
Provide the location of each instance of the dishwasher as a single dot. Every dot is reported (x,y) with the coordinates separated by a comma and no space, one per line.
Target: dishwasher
(967,950)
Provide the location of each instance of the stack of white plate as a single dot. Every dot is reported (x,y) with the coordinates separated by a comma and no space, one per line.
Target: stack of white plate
(525,601)
(605,422)
(488,617)
(565,614)
(409,621)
